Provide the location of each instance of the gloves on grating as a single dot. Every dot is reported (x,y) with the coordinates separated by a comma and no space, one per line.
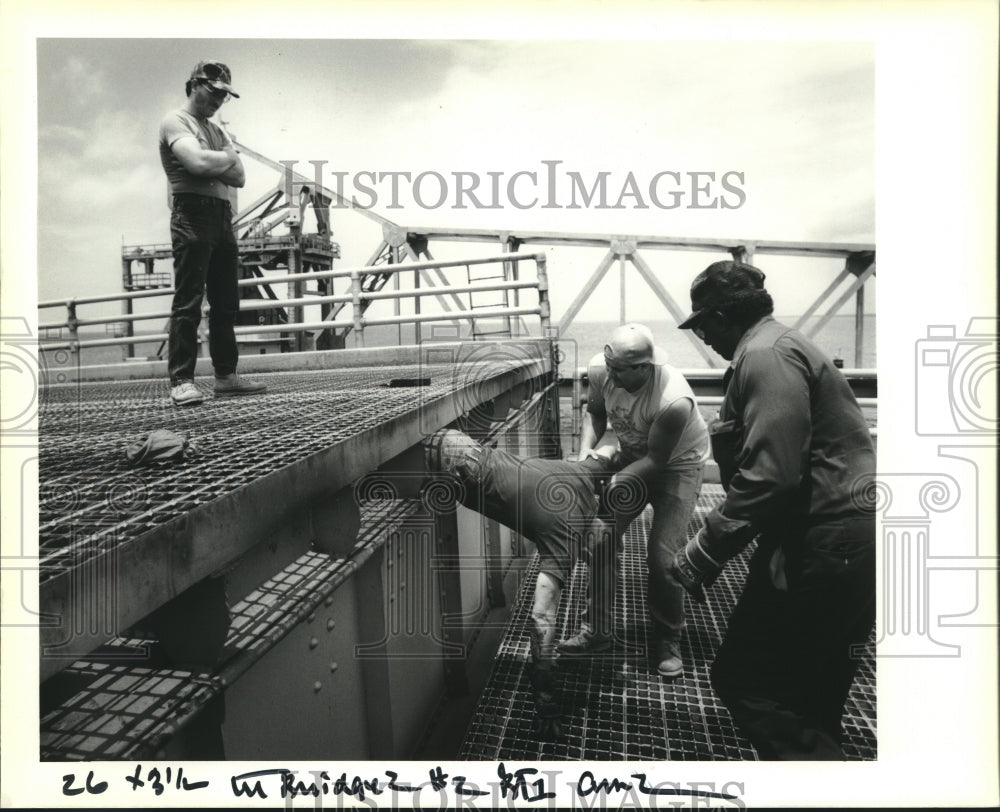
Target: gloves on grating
(160,445)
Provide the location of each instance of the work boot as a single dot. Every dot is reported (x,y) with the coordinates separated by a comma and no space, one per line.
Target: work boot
(229,386)
(548,724)
(584,642)
(667,659)
(185,393)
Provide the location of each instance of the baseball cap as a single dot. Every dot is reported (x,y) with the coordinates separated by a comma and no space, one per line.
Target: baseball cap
(216,74)
(632,344)
(721,284)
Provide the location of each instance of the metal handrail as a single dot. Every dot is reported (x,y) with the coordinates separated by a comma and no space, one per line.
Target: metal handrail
(356,297)
(267,304)
(341,273)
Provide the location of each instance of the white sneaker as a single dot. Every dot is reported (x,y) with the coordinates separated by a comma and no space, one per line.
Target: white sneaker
(186,394)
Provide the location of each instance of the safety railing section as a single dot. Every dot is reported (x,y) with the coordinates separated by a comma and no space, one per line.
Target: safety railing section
(357,299)
(851,281)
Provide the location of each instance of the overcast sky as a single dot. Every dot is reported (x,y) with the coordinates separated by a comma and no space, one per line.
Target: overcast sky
(794,119)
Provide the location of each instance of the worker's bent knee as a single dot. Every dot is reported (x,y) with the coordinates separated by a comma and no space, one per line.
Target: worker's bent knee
(548,588)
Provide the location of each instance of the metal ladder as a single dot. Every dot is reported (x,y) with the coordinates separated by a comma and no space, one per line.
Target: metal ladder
(493,327)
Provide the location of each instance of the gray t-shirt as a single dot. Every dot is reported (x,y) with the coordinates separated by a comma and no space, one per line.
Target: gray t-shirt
(631,414)
(181,124)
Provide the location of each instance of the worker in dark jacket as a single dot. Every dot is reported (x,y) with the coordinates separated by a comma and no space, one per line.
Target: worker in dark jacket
(794,453)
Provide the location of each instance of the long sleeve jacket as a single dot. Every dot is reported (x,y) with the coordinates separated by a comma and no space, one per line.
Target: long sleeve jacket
(792,444)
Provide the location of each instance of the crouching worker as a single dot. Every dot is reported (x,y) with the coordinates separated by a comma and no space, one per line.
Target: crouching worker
(550,502)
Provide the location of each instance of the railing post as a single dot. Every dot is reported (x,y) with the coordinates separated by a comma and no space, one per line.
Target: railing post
(396,310)
(73,323)
(579,378)
(203,329)
(127,304)
(621,291)
(743,253)
(416,308)
(541,271)
(359,329)
(859,328)
(295,288)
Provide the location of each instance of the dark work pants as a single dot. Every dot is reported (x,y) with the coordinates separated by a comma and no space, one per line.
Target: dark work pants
(206,261)
(786,666)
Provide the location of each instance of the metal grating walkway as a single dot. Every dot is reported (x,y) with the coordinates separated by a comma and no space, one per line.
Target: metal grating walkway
(90,501)
(614,707)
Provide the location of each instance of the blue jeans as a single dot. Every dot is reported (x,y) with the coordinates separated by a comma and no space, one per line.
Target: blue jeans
(673,495)
(206,260)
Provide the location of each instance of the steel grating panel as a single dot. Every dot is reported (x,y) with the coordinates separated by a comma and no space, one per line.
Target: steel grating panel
(614,707)
(89,500)
(128,712)
(123,711)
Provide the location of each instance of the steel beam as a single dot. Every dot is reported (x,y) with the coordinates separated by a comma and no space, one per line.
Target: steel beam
(668,301)
(855,286)
(821,298)
(372,598)
(582,239)
(584,294)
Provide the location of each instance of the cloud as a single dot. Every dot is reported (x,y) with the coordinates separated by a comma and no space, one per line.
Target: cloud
(76,81)
(796,118)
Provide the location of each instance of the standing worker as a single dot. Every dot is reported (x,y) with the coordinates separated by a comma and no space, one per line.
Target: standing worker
(663,445)
(203,170)
(794,455)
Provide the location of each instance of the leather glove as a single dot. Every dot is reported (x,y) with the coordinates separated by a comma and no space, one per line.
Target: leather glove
(694,568)
(160,445)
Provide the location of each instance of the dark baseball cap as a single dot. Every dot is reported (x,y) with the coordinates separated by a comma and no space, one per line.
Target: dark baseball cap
(721,284)
(216,74)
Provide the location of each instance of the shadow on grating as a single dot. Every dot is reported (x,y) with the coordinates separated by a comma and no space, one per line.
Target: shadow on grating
(130,712)
(614,706)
